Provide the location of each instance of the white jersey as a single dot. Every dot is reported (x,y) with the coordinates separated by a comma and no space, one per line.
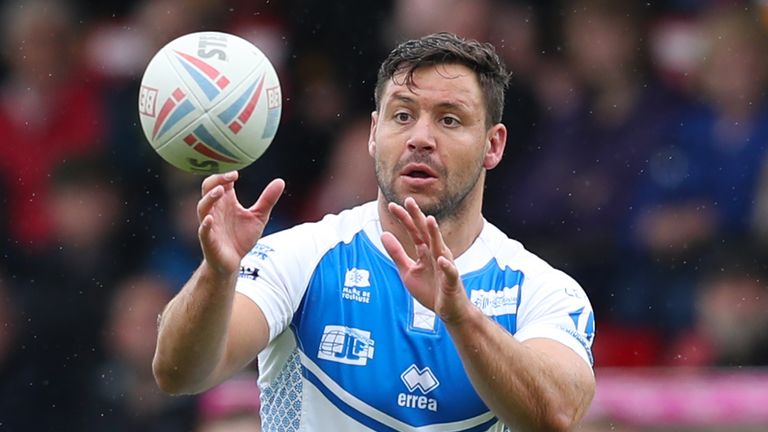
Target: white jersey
(351,350)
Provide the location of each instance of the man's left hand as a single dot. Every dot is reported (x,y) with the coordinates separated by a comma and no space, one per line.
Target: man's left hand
(432,277)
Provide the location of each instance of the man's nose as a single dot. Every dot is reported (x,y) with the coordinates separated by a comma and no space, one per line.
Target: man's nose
(422,136)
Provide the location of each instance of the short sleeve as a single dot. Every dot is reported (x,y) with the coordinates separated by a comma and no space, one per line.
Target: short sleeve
(275,274)
(554,306)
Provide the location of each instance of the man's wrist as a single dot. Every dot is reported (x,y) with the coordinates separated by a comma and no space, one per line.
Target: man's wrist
(469,317)
(215,276)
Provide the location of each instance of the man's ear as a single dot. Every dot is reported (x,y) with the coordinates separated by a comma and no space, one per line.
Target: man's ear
(372,134)
(496,141)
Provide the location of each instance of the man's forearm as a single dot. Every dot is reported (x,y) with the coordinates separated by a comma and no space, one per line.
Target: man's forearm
(192,332)
(521,385)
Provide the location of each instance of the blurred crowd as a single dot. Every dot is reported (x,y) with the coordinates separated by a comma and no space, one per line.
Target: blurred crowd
(637,162)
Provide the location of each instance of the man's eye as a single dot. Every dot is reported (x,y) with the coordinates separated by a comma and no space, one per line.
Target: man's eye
(402,117)
(451,121)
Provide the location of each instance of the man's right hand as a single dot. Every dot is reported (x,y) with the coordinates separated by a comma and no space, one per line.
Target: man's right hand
(227,229)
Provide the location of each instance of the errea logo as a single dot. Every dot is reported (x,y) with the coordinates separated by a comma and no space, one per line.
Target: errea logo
(422,380)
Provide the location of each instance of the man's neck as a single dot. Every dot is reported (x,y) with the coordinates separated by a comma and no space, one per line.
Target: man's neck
(459,232)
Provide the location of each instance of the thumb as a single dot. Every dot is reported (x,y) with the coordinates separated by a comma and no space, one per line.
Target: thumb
(268,198)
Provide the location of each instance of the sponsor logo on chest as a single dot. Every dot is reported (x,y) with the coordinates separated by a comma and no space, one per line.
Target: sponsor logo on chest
(419,383)
(356,284)
(346,345)
(496,302)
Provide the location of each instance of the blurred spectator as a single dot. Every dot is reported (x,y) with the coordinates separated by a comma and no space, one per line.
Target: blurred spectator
(348,179)
(233,406)
(514,30)
(64,288)
(120,48)
(125,397)
(175,252)
(17,405)
(316,25)
(8,323)
(7,256)
(760,213)
(320,109)
(323,89)
(467,18)
(705,184)
(602,116)
(628,345)
(676,47)
(702,185)
(731,297)
(50,109)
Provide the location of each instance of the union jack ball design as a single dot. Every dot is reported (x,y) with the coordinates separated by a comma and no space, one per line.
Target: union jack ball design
(210,102)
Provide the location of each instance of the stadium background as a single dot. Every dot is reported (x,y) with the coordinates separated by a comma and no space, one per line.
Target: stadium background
(636,162)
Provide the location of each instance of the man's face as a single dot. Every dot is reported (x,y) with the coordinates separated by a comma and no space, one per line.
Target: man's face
(430,142)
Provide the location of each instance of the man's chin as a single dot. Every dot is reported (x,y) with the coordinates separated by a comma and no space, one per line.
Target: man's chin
(429,205)
(427,202)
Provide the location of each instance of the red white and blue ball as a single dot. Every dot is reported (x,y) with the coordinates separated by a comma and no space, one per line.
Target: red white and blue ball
(210,102)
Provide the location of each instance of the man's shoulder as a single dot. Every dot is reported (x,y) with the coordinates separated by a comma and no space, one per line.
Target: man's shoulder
(505,249)
(511,253)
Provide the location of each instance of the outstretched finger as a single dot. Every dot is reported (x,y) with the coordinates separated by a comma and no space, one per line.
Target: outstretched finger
(268,198)
(449,270)
(437,243)
(206,234)
(418,217)
(204,231)
(212,181)
(396,251)
(407,221)
(206,203)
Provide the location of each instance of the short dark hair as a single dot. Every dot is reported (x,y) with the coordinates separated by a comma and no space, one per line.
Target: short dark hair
(448,48)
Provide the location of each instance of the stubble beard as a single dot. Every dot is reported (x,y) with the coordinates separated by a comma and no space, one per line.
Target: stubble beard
(449,206)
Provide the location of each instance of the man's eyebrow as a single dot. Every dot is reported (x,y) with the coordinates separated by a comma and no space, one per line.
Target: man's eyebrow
(402,97)
(454,105)
(449,104)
